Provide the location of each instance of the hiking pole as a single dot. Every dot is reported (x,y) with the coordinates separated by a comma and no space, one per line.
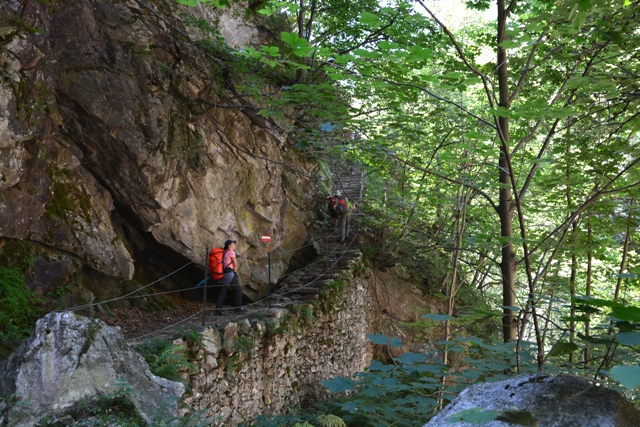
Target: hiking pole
(206,274)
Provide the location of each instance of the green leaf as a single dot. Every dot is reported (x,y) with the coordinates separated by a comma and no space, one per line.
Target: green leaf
(595,340)
(300,47)
(339,384)
(370,20)
(628,313)
(475,416)
(578,82)
(585,5)
(385,340)
(509,44)
(387,45)
(596,302)
(417,53)
(438,317)
(628,376)
(499,111)
(410,358)
(267,11)
(271,50)
(487,313)
(563,348)
(628,338)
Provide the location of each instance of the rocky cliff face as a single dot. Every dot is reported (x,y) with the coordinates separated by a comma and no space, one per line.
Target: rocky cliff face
(126,150)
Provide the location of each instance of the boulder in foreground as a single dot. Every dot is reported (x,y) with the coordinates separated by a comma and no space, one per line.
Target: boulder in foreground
(549,401)
(70,361)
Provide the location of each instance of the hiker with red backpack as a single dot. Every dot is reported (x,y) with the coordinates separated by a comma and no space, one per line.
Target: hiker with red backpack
(344,209)
(227,277)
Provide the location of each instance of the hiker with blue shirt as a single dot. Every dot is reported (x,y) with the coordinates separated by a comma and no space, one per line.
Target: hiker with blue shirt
(229,279)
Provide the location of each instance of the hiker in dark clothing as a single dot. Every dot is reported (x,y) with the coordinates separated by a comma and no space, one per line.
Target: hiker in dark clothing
(230,279)
(332,208)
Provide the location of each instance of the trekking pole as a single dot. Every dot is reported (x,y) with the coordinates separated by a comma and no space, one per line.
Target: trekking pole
(206,274)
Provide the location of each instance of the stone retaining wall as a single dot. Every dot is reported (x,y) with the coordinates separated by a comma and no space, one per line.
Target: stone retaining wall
(266,365)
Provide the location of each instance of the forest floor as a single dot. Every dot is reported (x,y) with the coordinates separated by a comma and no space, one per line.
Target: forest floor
(135,322)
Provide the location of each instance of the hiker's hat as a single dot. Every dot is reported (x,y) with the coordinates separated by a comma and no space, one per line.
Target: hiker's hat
(228,243)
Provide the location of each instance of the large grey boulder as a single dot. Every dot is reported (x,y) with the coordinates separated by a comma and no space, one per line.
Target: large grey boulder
(554,401)
(70,359)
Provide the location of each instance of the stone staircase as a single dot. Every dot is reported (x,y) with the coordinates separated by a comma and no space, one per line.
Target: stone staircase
(333,257)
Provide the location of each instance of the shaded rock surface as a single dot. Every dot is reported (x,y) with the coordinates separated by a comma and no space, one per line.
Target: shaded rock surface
(552,401)
(117,166)
(70,359)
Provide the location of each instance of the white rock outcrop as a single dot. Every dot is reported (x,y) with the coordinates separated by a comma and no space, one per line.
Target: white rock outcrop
(70,359)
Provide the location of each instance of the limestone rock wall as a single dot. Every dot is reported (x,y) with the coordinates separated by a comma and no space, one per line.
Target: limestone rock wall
(264,366)
(126,150)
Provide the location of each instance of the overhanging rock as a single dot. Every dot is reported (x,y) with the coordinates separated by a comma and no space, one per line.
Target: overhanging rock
(70,359)
(552,401)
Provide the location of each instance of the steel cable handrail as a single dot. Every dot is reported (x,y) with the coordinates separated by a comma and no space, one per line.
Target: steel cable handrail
(130,293)
(254,303)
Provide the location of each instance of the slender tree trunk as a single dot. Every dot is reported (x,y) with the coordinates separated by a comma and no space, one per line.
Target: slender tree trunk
(574,259)
(572,290)
(623,262)
(587,291)
(460,224)
(625,253)
(505,206)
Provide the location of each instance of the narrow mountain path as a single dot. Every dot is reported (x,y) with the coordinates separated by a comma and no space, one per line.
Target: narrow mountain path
(333,257)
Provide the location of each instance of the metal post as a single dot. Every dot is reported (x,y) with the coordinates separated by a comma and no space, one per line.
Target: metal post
(266,238)
(206,276)
(269,262)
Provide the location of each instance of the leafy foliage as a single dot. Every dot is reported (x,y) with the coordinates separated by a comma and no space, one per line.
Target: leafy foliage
(19,308)
(165,359)
(409,391)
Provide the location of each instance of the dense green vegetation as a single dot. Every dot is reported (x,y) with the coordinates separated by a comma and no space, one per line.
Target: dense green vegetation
(19,308)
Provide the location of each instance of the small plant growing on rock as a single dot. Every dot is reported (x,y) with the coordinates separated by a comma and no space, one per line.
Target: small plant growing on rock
(165,359)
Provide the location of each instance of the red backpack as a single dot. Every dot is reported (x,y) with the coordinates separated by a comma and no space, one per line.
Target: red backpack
(215,263)
(343,207)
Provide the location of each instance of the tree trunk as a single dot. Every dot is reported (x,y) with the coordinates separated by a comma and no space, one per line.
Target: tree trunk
(574,258)
(587,291)
(505,206)
(625,253)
